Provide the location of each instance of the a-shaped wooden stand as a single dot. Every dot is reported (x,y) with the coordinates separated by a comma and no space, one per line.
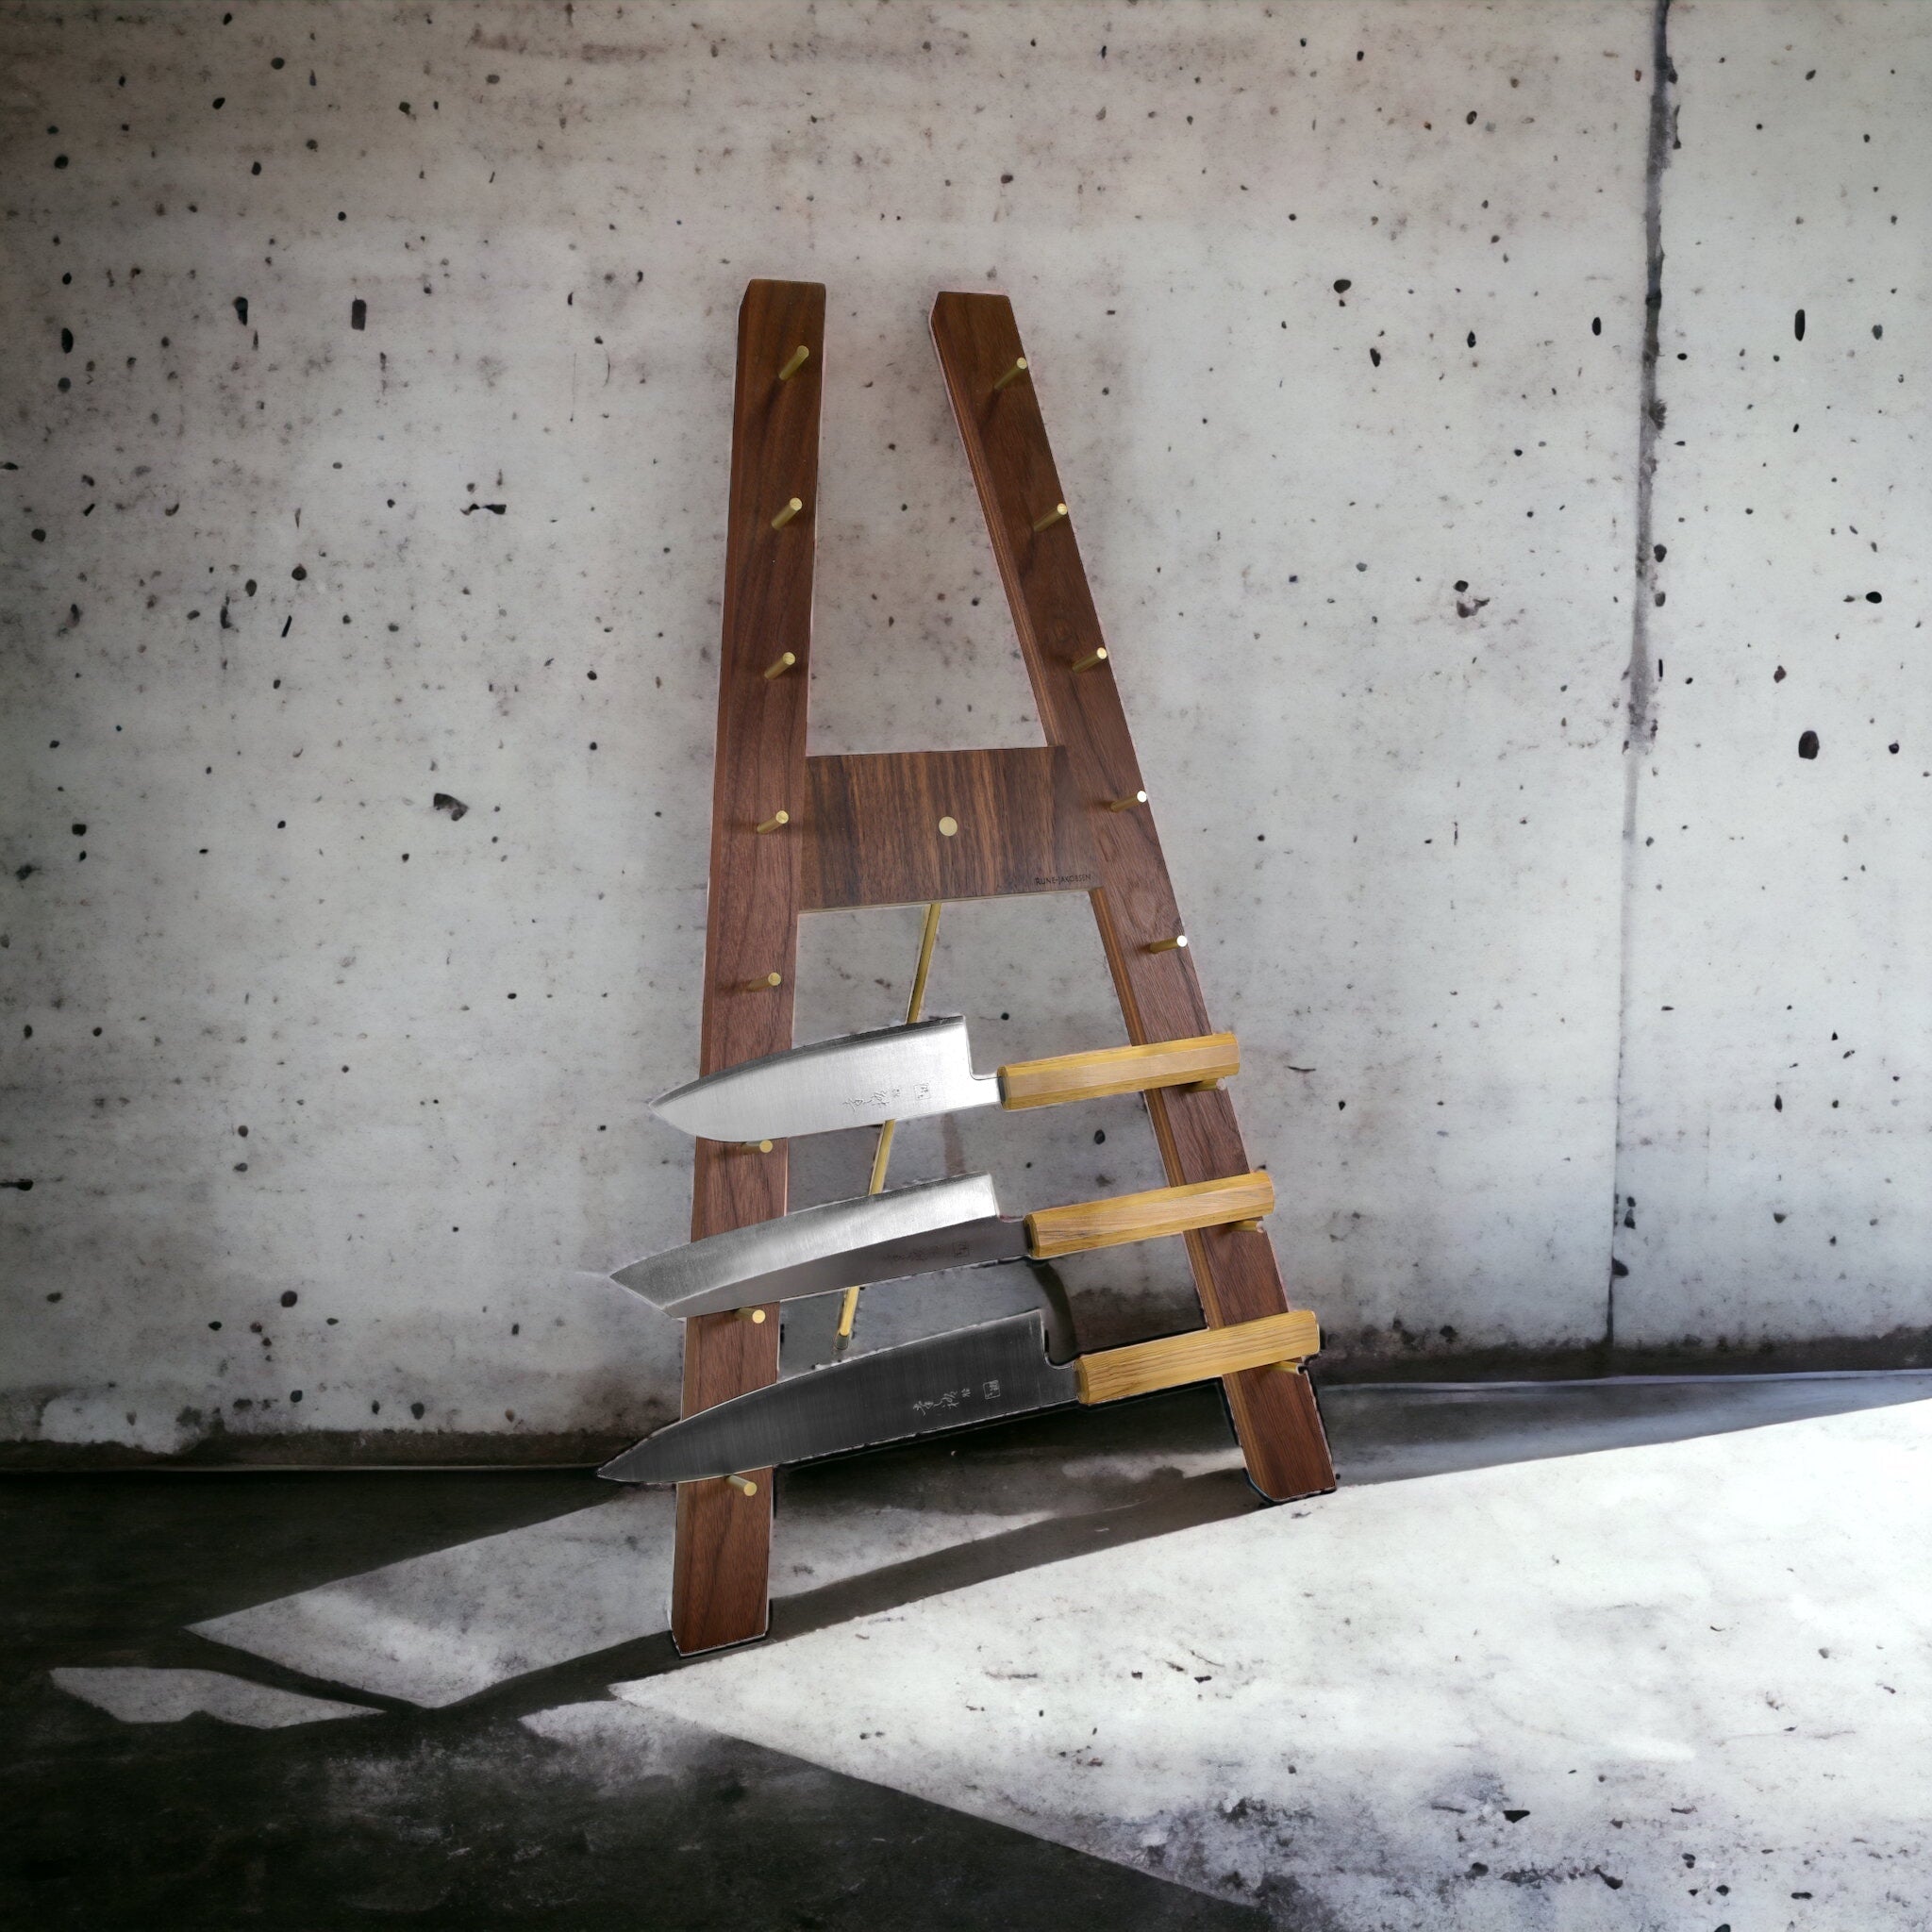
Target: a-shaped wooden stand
(793,834)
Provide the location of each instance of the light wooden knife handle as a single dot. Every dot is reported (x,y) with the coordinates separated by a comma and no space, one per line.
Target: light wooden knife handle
(1197,1356)
(1118,1069)
(1051,1231)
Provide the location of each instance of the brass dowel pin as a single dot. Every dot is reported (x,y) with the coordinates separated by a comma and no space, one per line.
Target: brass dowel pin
(1202,1087)
(1245,1226)
(780,664)
(799,357)
(791,511)
(1013,375)
(765,985)
(882,1152)
(1051,518)
(753,1146)
(1097,655)
(1177,945)
(744,1484)
(756,1316)
(778,819)
(1129,803)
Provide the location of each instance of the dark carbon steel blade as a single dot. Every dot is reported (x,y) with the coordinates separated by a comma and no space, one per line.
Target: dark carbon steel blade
(892,1074)
(915,1230)
(920,1388)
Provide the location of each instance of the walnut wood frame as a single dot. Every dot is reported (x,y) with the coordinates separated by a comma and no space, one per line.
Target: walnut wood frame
(872,830)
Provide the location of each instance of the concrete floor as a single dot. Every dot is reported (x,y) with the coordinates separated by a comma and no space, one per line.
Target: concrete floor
(464,1761)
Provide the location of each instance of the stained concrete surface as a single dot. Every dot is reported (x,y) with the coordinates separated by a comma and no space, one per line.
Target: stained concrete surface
(536,1800)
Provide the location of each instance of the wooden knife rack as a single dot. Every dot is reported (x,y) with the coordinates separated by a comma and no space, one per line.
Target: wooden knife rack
(793,834)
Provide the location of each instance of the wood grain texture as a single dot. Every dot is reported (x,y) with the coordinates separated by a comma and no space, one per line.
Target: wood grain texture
(1252,1347)
(1005,435)
(1122,1218)
(723,1537)
(1106,1069)
(871,833)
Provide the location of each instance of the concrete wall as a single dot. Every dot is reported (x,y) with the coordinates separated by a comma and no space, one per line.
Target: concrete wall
(332,1098)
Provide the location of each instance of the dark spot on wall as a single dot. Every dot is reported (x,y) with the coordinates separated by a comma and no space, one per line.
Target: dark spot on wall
(1343,286)
(1472,339)
(25,1187)
(444,801)
(67,341)
(1596,325)
(1618,1271)
(1777,677)
(300,573)
(1874,597)
(416,1410)
(1808,745)
(358,313)
(241,309)
(289,1297)
(1798,324)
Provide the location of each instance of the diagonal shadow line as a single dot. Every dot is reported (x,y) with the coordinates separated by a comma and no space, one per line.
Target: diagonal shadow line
(1422,1430)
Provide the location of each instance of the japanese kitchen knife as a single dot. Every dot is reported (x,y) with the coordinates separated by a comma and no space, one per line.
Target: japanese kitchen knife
(945,1382)
(918,1231)
(907,1072)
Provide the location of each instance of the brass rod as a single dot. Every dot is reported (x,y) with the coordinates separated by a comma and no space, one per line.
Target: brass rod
(780,665)
(1051,518)
(1177,945)
(793,505)
(744,1484)
(882,1152)
(800,357)
(1095,657)
(1129,803)
(1013,375)
(772,823)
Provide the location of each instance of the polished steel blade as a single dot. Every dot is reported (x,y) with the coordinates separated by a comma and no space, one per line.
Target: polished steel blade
(895,1074)
(915,1230)
(918,1389)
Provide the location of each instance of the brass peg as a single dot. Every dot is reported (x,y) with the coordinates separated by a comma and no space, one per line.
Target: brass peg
(1177,945)
(756,1316)
(744,1484)
(1286,1368)
(1097,655)
(1129,803)
(772,823)
(791,509)
(1202,1087)
(753,1146)
(799,357)
(780,665)
(1245,1226)
(1051,518)
(1013,375)
(767,984)
(949,826)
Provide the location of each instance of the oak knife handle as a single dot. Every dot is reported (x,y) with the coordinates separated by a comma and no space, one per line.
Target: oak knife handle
(1118,1069)
(1198,1357)
(1051,1231)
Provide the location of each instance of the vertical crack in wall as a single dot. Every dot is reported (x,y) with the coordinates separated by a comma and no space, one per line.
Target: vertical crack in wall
(1641,697)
